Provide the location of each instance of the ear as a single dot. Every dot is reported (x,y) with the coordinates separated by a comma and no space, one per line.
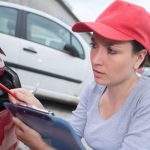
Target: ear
(140,56)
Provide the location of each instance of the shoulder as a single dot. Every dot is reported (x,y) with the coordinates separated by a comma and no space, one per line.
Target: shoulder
(145,80)
(144,86)
(141,95)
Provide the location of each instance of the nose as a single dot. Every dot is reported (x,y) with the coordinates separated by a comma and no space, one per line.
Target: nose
(98,56)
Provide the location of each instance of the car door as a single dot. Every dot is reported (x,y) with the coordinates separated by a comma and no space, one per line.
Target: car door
(43,61)
(8,34)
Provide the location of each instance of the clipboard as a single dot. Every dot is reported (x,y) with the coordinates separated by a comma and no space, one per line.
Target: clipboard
(55,131)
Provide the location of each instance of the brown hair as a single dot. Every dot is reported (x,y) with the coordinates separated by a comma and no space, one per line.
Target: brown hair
(137,47)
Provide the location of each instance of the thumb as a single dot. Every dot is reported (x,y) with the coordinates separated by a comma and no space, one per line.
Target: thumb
(18,99)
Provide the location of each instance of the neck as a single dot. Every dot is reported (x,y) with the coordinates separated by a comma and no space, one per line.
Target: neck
(115,95)
(120,91)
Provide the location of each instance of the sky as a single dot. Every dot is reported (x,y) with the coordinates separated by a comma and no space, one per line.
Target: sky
(88,10)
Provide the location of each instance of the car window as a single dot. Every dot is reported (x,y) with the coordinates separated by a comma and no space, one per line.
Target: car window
(8,19)
(46,32)
(78,46)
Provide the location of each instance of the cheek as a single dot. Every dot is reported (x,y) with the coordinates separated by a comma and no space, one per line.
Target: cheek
(121,66)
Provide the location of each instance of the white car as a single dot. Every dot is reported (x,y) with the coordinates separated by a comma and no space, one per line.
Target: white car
(45,53)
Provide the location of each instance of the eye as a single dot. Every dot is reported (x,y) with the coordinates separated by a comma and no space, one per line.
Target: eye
(93,45)
(111,51)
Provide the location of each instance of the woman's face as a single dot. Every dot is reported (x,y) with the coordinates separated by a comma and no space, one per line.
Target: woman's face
(112,61)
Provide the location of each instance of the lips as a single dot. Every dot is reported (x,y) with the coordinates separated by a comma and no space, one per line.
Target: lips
(98,73)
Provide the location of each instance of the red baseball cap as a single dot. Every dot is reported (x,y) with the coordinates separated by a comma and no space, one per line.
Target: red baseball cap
(121,20)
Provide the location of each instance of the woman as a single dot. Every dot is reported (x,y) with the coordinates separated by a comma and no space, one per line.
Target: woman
(114,110)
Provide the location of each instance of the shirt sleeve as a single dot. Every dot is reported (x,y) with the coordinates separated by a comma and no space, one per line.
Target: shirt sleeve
(78,118)
(138,135)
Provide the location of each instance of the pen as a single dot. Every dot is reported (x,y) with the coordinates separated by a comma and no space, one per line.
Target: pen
(7,90)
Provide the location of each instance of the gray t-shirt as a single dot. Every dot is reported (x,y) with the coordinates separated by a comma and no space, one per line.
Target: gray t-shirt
(127,129)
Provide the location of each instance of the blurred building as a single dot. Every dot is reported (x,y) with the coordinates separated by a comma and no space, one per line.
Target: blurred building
(57,8)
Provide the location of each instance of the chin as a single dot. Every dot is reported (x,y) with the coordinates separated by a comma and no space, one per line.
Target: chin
(100,81)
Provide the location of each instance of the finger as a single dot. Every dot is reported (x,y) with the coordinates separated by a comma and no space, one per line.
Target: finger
(16,100)
(17,90)
(21,96)
(19,133)
(24,97)
(12,99)
(21,90)
(28,99)
(20,125)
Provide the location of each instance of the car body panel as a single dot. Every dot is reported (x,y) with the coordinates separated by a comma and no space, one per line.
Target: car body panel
(35,49)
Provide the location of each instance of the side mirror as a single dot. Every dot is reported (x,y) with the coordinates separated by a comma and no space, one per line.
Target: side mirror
(72,50)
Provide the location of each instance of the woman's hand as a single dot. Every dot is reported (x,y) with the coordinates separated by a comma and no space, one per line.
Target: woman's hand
(29,136)
(24,97)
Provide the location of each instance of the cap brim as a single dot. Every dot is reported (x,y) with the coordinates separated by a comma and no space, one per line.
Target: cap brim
(101,29)
(2,52)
